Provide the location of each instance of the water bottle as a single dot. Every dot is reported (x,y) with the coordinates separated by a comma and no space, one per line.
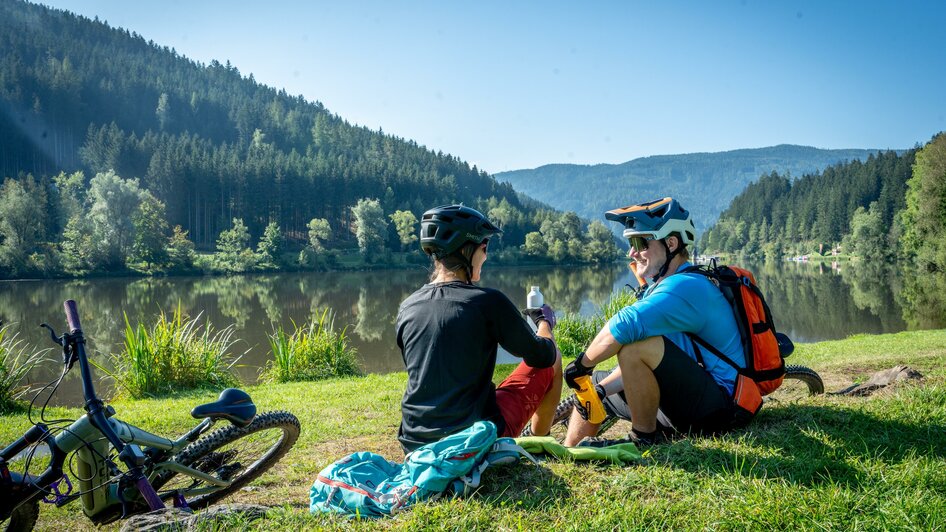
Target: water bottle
(534,298)
(588,397)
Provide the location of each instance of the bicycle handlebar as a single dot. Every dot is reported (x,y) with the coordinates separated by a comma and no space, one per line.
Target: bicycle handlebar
(96,411)
(72,316)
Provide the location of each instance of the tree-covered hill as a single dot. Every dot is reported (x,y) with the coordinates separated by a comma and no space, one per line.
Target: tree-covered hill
(208,142)
(777,215)
(704,182)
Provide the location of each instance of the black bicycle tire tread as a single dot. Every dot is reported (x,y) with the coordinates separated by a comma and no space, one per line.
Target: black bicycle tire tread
(563,413)
(229,434)
(23,518)
(806,375)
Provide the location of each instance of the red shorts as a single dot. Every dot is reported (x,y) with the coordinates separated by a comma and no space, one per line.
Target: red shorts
(519,396)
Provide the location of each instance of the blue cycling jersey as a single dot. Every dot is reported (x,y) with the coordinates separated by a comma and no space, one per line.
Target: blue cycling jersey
(682,303)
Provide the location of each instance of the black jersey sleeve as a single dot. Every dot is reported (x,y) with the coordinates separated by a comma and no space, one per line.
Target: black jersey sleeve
(514,334)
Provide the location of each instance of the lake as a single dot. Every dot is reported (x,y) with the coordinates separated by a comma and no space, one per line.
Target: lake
(810,302)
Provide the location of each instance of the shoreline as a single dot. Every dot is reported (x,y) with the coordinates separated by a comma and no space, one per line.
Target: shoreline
(397,265)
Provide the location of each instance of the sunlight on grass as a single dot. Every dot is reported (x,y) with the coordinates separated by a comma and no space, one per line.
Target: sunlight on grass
(824,462)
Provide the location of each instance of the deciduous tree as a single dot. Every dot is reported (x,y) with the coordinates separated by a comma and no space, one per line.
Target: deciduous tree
(151,233)
(269,248)
(114,202)
(404,222)
(370,225)
(319,232)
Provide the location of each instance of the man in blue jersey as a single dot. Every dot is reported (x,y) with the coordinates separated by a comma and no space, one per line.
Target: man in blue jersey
(663,382)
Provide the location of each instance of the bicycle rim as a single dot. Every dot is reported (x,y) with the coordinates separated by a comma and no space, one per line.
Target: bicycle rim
(234,454)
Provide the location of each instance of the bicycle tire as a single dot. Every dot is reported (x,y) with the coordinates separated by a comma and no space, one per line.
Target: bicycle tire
(806,375)
(23,518)
(207,455)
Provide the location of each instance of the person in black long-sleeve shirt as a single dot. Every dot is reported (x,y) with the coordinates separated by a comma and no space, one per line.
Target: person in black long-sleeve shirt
(449,330)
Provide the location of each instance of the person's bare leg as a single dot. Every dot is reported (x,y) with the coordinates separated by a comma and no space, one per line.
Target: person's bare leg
(579,428)
(543,417)
(638,361)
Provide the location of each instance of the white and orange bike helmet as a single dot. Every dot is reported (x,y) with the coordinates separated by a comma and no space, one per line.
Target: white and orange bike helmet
(655,220)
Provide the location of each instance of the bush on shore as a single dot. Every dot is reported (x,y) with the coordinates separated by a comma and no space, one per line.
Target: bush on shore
(573,332)
(312,352)
(177,353)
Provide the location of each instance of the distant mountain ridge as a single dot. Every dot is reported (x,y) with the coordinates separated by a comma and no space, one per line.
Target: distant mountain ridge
(704,182)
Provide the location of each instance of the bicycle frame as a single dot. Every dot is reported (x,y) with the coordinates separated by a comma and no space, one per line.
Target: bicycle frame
(96,492)
(102,488)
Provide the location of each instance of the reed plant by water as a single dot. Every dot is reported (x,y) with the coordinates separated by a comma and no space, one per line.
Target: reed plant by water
(15,362)
(177,353)
(312,352)
(574,332)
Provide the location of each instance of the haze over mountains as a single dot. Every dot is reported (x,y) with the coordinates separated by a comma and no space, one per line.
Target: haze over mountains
(704,182)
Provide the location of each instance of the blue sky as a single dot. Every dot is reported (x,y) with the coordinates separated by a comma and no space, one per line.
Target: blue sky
(508,85)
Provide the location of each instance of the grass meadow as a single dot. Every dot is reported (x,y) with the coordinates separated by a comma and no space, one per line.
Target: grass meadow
(824,463)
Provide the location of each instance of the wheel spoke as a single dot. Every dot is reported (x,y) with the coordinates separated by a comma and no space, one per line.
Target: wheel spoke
(229,461)
(232,454)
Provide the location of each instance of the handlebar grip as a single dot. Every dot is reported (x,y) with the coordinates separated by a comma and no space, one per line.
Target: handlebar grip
(72,315)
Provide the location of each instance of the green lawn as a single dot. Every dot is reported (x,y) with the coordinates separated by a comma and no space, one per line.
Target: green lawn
(819,463)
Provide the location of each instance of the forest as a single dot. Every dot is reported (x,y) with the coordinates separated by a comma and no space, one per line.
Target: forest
(125,153)
(886,213)
(888,209)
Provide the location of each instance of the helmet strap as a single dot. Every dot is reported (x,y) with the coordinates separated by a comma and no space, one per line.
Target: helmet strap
(465,262)
(670,256)
(468,266)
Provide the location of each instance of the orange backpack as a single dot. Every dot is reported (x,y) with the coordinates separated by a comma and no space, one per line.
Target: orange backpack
(765,365)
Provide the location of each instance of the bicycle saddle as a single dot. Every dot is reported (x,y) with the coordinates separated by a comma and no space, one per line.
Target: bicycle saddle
(234,405)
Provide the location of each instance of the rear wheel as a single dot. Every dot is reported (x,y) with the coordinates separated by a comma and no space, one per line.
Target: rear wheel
(23,518)
(799,382)
(236,454)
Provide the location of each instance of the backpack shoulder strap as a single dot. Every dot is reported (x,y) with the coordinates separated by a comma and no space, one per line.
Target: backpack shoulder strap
(504,451)
(719,354)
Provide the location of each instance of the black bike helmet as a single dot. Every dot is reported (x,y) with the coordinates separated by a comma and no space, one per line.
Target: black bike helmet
(444,229)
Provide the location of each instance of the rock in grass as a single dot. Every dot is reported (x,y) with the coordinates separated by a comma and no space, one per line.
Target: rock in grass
(178,520)
(880,380)
(163,520)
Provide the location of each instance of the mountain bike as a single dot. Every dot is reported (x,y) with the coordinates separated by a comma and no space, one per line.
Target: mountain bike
(118,469)
(799,381)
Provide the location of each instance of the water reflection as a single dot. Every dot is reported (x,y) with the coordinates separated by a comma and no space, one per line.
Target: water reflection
(813,302)
(924,301)
(810,303)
